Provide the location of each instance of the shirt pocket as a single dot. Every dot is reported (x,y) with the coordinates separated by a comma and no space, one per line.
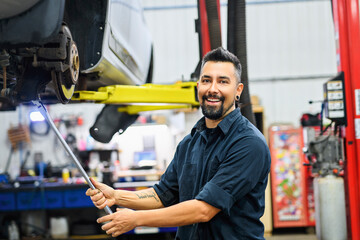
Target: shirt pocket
(213,167)
(187,182)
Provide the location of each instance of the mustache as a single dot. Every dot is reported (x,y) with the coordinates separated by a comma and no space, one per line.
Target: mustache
(206,97)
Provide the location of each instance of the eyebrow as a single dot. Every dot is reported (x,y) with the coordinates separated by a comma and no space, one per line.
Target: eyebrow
(221,77)
(205,76)
(224,77)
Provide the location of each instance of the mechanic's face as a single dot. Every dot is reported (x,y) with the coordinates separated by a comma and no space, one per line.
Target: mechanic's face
(217,89)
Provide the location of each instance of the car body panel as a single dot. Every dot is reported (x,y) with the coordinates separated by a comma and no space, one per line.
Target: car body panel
(122,48)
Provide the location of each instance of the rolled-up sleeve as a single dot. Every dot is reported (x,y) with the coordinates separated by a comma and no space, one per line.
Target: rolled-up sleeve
(168,187)
(216,197)
(237,174)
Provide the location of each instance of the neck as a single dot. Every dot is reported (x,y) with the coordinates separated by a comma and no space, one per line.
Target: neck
(212,123)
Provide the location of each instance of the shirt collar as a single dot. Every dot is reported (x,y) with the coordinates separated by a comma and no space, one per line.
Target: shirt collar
(224,125)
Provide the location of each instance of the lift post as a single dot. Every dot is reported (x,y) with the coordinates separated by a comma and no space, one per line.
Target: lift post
(347,32)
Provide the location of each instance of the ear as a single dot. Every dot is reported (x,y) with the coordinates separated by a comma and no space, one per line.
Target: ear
(239,89)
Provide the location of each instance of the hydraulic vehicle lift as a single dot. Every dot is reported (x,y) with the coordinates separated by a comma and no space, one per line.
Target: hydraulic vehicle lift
(147,97)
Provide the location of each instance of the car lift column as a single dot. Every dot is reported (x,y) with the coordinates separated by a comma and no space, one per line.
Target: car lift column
(347,32)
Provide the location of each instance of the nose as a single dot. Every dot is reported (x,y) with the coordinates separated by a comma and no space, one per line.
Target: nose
(213,87)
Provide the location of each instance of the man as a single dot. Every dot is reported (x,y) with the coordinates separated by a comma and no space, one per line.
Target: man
(214,188)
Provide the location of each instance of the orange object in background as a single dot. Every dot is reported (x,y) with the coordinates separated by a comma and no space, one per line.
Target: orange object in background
(19,134)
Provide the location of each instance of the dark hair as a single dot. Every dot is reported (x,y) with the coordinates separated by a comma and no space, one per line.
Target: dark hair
(222,55)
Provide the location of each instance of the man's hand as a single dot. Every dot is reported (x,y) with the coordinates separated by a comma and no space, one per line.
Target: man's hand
(122,221)
(102,196)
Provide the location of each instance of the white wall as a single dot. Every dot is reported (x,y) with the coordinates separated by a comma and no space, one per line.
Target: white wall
(286,101)
(290,39)
(176,46)
(284,40)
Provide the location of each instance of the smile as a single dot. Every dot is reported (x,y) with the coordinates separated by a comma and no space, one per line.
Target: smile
(213,100)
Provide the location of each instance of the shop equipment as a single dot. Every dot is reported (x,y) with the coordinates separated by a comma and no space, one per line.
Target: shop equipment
(41,108)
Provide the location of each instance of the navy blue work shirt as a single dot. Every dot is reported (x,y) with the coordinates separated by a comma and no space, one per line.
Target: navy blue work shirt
(227,167)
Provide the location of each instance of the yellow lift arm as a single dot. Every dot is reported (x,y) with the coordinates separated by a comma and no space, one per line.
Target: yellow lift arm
(147,97)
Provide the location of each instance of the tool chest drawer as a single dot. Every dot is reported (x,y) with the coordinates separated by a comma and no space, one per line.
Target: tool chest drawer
(7,201)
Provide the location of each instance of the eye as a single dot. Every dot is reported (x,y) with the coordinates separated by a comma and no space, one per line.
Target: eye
(223,81)
(205,80)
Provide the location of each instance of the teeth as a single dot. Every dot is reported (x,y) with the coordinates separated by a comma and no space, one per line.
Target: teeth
(213,100)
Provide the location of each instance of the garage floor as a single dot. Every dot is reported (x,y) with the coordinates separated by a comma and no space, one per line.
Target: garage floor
(292,234)
(273,237)
(292,237)
(277,236)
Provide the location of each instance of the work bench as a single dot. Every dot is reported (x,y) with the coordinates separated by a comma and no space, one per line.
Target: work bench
(62,199)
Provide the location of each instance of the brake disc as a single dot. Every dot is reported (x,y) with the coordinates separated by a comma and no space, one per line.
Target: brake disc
(65,81)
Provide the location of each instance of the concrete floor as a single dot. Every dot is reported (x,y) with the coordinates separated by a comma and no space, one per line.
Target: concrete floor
(292,237)
(292,234)
(277,236)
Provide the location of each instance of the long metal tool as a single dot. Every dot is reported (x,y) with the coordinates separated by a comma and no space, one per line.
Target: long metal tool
(44,112)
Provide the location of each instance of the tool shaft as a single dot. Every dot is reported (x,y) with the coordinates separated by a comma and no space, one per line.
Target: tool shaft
(44,112)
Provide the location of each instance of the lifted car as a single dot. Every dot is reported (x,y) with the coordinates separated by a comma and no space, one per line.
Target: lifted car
(49,49)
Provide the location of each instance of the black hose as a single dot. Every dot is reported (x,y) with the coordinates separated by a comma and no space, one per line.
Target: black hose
(236,43)
(213,23)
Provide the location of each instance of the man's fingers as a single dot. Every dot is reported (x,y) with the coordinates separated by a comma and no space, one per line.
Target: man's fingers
(110,231)
(106,218)
(95,183)
(91,192)
(97,196)
(106,227)
(104,204)
(109,227)
(100,203)
(117,233)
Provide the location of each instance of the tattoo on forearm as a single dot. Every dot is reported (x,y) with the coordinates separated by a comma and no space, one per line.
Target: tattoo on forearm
(144,195)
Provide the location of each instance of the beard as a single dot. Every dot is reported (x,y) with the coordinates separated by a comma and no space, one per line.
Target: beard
(213,112)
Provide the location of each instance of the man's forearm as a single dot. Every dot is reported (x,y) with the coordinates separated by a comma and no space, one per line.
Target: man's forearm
(185,213)
(138,200)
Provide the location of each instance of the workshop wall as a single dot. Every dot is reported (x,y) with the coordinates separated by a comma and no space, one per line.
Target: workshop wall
(290,47)
(47,145)
(53,152)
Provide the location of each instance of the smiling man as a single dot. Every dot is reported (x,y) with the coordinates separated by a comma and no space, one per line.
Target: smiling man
(214,188)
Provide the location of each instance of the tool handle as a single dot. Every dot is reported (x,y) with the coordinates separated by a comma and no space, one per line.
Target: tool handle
(91,185)
(44,112)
